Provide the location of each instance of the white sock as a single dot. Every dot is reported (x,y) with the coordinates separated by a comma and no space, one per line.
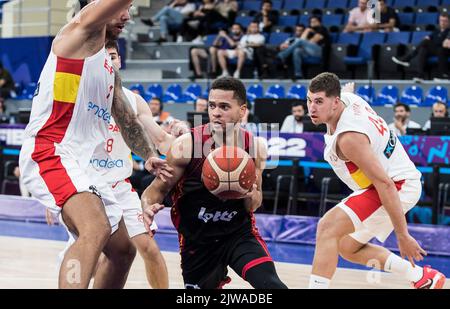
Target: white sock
(318,282)
(397,265)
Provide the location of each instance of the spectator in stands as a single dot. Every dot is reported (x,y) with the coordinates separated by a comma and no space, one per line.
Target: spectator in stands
(439,110)
(443,55)
(265,55)
(224,46)
(357,20)
(161,117)
(388,19)
(228,9)
(267,17)
(3,117)
(402,112)
(6,83)
(430,46)
(245,49)
(310,44)
(171,16)
(205,20)
(201,105)
(294,123)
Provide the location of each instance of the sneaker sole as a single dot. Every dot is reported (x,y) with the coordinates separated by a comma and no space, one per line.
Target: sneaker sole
(439,282)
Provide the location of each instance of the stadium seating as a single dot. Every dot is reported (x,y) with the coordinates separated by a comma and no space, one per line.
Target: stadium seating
(412,95)
(436,93)
(275,91)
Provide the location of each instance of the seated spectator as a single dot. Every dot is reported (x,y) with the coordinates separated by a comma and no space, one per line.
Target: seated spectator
(402,112)
(201,105)
(267,17)
(228,9)
(223,47)
(430,46)
(205,20)
(6,83)
(250,121)
(443,55)
(162,118)
(438,110)
(310,44)
(3,117)
(357,20)
(265,55)
(388,19)
(294,123)
(245,49)
(171,16)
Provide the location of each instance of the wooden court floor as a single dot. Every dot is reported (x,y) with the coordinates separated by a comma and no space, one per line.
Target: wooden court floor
(31,263)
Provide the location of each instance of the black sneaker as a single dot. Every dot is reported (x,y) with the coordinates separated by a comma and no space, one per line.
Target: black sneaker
(400,62)
(148,22)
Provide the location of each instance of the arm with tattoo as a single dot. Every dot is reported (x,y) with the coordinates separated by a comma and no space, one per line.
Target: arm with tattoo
(130,127)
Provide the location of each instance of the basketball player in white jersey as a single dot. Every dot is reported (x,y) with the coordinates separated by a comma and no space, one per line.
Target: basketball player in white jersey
(367,157)
(71,113)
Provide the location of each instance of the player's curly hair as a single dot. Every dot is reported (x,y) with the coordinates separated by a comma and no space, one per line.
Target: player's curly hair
(327,82)
(232,84)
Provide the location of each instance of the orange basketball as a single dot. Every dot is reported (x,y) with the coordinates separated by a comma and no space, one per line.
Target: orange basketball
(228,172)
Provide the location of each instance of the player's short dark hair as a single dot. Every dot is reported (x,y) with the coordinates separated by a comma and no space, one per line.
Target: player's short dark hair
(112,44)
(406,107)
(328,82)
(232,84)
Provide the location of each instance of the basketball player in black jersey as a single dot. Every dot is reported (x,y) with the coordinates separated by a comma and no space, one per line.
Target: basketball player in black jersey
(214,233)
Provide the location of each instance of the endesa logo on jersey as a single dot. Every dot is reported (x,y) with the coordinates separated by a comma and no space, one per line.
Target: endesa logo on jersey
(101,113)
(106,163)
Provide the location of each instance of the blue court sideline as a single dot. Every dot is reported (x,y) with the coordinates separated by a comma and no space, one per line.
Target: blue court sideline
(281,252)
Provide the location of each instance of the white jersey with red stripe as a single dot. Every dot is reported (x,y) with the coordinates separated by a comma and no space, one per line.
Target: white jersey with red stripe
(72,105)
(358,116)
(112,159)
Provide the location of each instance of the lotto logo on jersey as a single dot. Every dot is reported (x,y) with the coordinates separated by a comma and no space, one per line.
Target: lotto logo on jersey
(106,163)
(217,216)
(99,112)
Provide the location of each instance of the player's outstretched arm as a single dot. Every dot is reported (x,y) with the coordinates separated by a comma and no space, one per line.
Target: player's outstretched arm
(130,128)
(254,197)
(160,138)
(99,12)
(356,148)
(178,157)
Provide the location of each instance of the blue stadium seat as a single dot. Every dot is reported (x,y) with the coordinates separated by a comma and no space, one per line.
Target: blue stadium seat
(418,36)
(312,4)
(173,93)
(332,20)
(275,91)
(367,93)
(337,4)
(209,39)
(289,20)
(244,21)
(445,2)
(277,4)
(352,4)
(293,4)
(388,95)
(304,19)
(412,95)
(365,48)
(406,18)
(297,92)
(254,91)
(427,3)
(139,88)
(333,37)
(426,18)
(155,90)
(252,5)
(28,92)
(192,92)
(349,38)
(404,3)
(401,37)
(276,38)
(436,93)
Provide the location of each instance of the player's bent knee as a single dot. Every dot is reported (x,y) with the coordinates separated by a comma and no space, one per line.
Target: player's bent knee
(264,276)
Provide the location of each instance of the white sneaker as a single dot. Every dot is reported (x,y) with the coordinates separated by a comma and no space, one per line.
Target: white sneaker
(179,39)
(224,74)
(237,74)
(418,80)
(402,63)
(197,40)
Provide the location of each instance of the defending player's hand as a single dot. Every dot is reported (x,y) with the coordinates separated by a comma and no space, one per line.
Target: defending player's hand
(149,211)
(159,168)
(178,127)
(410,249)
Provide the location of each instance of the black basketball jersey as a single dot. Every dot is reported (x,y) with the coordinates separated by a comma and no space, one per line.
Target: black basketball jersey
(199,216)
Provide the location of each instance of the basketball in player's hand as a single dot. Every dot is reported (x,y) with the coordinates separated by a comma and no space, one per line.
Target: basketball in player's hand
(228,172)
